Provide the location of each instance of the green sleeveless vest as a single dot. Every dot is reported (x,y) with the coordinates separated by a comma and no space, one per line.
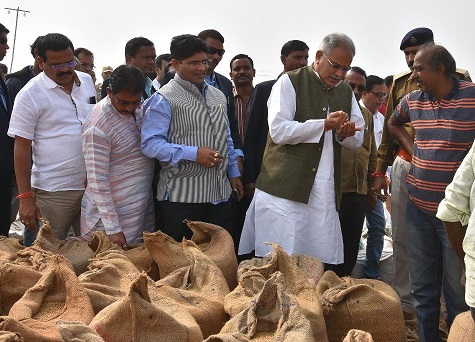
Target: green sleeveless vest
(288,171)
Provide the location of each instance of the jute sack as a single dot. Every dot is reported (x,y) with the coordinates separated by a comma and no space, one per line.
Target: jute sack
(462,329)
(58,295)
(228,337)
(310,266)
(216,243)
(364,304)
(272,315)
(137,253)
(297,285)
(109,278)
(200,288)
(166,252)
(135,318)
(76,251)
(355,335)
(7,336)
(36,258)
(9,248)
(77,332)
(15,280)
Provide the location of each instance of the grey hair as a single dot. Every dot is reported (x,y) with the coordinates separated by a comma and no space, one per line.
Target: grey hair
(334,40)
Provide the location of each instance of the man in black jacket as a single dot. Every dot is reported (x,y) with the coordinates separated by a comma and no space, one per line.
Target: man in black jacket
(294,55)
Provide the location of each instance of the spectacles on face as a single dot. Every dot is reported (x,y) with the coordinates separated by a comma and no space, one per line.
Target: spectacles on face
(57,67)
(3,40)
(360,87)
(379,95)
(337,66)
(213,50)
(195,64)
(84,64)
(135,104)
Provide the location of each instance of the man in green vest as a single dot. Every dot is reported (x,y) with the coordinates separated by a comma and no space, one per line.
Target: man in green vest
(298,191)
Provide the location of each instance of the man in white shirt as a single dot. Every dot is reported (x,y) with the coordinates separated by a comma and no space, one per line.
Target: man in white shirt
(374,95)
(161,62)
(298,191)
(46,123)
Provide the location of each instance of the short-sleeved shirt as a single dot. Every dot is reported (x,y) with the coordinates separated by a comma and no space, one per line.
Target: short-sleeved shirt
(52,119)
(445,132)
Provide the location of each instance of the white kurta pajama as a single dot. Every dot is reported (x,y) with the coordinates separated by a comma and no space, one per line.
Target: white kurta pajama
(313,228)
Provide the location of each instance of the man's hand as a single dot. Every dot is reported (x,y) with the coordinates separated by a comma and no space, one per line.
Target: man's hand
(335,119)
(118,239)
(249,190)
(29,213)
(236,184)
(379,184)
(208,157)
(348,129)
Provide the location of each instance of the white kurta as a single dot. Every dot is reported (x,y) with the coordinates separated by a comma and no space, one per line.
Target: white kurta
(313,228)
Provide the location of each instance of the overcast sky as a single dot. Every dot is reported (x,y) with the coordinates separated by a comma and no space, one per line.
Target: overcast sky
(258,28)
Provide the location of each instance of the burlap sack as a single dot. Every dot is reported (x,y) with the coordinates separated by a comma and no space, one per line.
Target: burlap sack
(166,252)
(199,287)
(58,295)
(462,329)
(252,281)
(9,248)
(228,337)
(36,258)
(135,318)
(217,244)
(7,336)
(310,266)
(109,278)
(138,253)
(77,332)
(76,251)
(15,280)
(364,304)
(272,315)
(355,335)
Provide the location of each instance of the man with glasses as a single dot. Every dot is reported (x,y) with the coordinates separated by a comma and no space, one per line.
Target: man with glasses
(298,191)
(86,60)
(357,194)
(6,145)
(390,154)
(46,123)
(118,197)
(374,95)
(186,129)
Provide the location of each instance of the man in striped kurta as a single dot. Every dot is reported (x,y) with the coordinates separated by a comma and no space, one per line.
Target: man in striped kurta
(187,129)
(442,113)
(118,197)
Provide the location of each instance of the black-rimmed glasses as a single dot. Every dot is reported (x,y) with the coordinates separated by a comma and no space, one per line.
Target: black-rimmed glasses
(128,103)
(379,95)
(360,87)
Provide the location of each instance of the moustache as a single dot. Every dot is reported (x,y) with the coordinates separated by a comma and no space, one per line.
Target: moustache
(61,73)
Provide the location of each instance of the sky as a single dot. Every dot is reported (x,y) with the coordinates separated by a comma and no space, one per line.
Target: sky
(258,28)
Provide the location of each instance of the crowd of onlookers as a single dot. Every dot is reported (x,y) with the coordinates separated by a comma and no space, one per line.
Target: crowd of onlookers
(302,160)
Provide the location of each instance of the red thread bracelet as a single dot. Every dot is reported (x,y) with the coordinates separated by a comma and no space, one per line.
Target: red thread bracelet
(25,195)
(377,174)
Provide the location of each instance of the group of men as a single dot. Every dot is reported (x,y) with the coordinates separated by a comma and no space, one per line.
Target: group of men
(299,161)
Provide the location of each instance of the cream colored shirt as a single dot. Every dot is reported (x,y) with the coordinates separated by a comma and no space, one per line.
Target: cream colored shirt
(457,206)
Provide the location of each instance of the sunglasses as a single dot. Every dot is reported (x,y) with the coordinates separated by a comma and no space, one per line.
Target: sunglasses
(213,50)
(359,87)
(3,40)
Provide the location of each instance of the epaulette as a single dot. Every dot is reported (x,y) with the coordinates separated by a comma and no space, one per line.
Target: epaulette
(465,75)
(401,74)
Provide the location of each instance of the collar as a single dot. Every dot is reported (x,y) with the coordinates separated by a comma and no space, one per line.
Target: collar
(211,79)
(50,84)
(190,86)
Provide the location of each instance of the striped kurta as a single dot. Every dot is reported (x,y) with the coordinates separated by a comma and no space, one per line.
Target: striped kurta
(445,131)
(118,195)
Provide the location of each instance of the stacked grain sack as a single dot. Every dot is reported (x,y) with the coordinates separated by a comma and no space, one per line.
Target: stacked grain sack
(75,290)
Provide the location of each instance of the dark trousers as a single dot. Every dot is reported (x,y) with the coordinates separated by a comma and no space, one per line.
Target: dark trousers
(352,213)
(173,214)
(239,215)
(5,205)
